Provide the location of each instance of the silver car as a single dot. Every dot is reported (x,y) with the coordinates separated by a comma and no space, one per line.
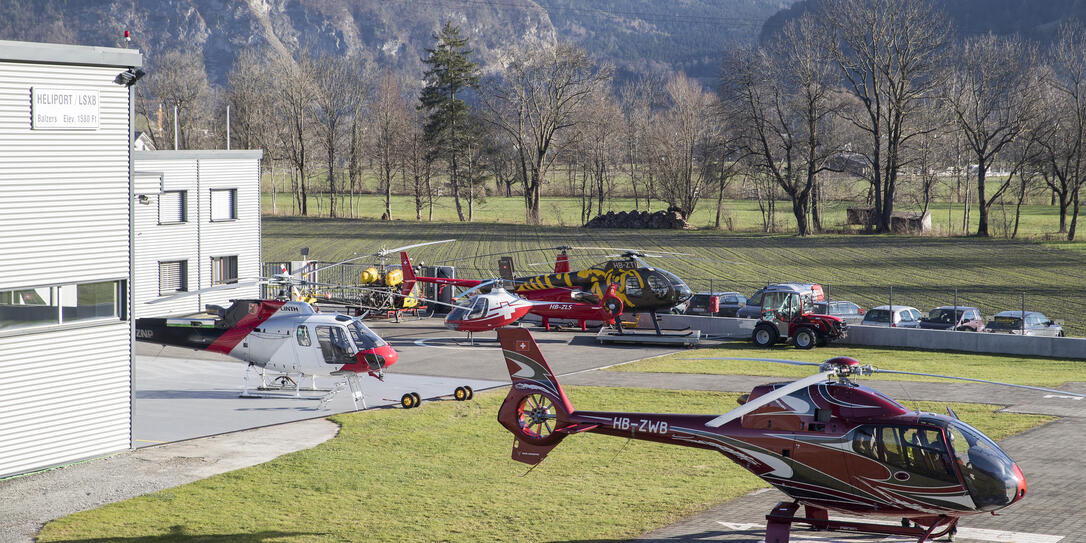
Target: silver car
(1034,324)
(898,316)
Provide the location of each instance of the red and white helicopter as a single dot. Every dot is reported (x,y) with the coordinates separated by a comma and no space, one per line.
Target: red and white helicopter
(825,441)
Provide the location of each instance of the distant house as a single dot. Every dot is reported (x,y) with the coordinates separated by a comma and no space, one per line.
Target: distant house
(849,163)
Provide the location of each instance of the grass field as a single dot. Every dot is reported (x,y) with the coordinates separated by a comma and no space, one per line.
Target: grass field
(443,473)
(923,272)
(1038,221)
(1004,368)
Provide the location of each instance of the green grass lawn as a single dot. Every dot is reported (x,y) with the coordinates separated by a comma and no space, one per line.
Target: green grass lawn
(443,473)
(923,272)
(1003,368)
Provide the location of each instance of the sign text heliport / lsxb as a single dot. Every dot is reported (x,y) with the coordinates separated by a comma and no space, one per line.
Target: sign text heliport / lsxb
(64,109)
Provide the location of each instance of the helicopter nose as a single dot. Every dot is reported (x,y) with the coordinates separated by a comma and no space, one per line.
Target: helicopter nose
(1021,479)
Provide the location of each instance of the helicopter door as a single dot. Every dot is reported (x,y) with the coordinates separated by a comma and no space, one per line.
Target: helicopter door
(479,308)
(334,345)
(305,353)
(916,454)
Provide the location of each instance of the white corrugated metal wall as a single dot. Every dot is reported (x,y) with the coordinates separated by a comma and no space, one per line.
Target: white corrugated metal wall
(65,394)
(198,239)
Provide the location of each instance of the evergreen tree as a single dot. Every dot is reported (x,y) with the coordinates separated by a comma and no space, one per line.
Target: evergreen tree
(450,71)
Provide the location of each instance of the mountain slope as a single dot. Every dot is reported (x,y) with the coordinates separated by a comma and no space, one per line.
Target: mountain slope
(637,35)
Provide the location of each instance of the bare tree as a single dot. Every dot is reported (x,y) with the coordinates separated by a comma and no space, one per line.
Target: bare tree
(782,95)
(293,110)
(684,137)
(177,81)
(638,99)
(992,95)
(337,91)
(1064,143)
(390,118)
(889,53)
(601,140)
(537,96)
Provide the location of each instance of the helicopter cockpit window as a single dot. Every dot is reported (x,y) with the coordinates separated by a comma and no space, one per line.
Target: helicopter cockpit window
(303,336)
(478,309)
(633,285)
(363,337)
(916,450)
(335,347)
(657,285)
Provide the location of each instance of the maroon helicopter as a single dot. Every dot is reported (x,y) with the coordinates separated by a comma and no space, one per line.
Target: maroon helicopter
(825,441)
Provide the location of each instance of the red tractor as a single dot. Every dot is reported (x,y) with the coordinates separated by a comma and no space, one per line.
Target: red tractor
(788,312)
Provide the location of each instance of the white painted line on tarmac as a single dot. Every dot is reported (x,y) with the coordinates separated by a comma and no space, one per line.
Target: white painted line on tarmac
(977,534)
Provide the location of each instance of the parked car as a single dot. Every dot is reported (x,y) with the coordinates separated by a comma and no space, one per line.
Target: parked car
(753,309)
(948,317)
(1036,324)
(728,303)
(898,316)
(848,311)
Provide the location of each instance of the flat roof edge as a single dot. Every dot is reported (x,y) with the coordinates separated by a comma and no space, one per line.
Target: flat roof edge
(207,153)
(59,53)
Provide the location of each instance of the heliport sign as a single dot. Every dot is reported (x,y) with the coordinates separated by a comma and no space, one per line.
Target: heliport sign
(64,109)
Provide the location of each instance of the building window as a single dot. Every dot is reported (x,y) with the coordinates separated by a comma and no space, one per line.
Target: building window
(224,204)
(59,304)
(171,207)
(173,277)
(224,270)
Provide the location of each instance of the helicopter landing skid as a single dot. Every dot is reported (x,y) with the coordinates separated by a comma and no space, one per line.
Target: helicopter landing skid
(780,519)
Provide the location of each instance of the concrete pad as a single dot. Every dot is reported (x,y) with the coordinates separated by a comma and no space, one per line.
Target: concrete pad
(178,399)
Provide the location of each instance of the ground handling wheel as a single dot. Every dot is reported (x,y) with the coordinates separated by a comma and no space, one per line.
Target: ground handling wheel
(765,335)
(471,393)
(408,401)
(418,399)
(460,394)
(805,338)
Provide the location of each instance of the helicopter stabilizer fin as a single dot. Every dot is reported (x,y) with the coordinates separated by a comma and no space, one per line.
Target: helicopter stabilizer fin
(408,274)
(536,410)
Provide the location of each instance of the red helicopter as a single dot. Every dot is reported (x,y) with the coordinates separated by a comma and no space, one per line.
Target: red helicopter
(598,293)
(825,441)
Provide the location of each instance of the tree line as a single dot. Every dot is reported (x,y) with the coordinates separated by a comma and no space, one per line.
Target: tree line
(867,89)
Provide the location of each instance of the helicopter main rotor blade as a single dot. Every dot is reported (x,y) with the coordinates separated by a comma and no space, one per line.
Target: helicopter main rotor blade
(773,360)
(381,253)
(186,294)
(773,396)
(1041,389)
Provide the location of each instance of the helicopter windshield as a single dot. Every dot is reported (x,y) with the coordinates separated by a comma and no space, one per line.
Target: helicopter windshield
(988,471)
(363,337)
(682,292)
(458,313)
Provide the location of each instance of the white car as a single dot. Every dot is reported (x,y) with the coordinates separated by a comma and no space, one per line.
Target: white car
(899,316)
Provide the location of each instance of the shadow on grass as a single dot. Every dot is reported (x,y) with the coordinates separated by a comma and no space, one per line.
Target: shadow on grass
(179,534)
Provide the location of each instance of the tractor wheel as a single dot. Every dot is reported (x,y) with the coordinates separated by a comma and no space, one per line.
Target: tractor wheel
(408,401)
(460,394)
(765,335)
(805,338)
(471,393)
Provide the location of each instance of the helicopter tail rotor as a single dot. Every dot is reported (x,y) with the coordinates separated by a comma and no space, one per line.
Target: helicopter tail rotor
(536,410)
